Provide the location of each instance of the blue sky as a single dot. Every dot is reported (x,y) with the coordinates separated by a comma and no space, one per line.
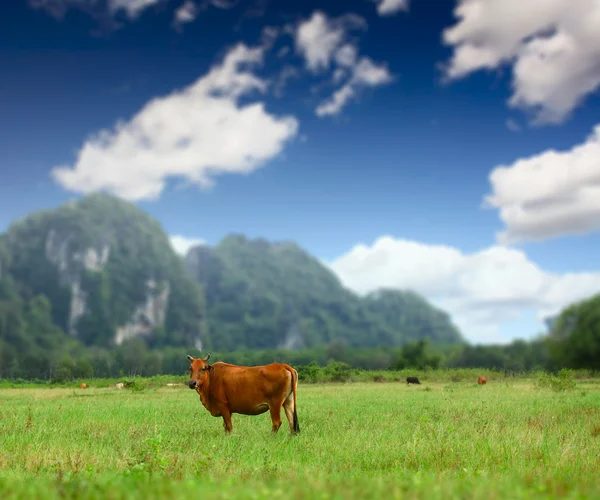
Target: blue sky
(387,186)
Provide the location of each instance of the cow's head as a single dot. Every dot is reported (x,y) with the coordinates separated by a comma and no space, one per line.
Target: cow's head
(199,369)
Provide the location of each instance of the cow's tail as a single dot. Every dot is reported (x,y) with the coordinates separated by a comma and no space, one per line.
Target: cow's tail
(294,389)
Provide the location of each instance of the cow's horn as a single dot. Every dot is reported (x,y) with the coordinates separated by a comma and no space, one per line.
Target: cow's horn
(207,357)
(190,358)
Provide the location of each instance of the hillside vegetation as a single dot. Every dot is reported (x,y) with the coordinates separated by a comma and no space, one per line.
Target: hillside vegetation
(112,256)
(99,273)
(263,295)
(95,272)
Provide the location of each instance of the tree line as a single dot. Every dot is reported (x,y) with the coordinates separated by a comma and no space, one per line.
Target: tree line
(135,358)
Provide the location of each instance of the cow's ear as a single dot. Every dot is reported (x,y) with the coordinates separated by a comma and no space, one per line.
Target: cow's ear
(190,358)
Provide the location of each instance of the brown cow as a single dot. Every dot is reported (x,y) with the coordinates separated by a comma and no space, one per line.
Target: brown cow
(481,380)
(248,390)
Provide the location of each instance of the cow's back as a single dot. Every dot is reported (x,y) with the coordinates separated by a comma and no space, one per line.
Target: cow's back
(247,389)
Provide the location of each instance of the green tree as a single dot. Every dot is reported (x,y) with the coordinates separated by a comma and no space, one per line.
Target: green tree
(83,369)
(414,355)
(574,341)
(65,370)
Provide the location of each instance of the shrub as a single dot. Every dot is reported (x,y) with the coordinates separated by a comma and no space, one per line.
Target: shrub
(563,381)
(338,371)
(335,371)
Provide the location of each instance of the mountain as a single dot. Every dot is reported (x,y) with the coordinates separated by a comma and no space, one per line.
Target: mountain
(262,295)
(108,271)
(99,271)
(408,312)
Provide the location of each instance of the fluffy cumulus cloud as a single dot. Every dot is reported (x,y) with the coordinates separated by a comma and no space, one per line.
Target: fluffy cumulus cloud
(390,7)
(550,194)
(482,291)
(181,244)
(325,45)
(318,38)
(191,134)
(553,45)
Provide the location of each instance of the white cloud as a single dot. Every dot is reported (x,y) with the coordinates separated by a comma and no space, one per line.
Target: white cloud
(181,244)
(194,134)
(133,8)
(346,55)
(365,74)
(269,36)
(339,74)
(550,194)
(186,13)
(280,81)
(58,8)
(222,4)
(324,43)
(390,7)
(318,38)
(553,45)
(335,104)
(482,291)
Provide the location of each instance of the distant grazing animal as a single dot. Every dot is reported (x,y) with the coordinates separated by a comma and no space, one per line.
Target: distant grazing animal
(248,390)
(481,380)
(120,385)
(412,380)
(83,385)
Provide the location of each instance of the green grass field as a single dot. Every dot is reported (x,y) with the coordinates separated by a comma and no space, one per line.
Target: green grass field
(440,440)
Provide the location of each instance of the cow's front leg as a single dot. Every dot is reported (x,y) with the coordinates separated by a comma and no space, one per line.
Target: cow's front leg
(226,414)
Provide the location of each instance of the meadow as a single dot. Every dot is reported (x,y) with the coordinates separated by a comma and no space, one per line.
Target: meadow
(523,437)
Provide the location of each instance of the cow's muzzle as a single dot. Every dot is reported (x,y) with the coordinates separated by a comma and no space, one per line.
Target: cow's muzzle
(192,384)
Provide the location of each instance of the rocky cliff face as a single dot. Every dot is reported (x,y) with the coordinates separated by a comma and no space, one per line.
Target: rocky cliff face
(293,338)
(148,315)
(70,267)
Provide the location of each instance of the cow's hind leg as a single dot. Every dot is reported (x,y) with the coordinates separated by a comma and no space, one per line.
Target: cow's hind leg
(275,416)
